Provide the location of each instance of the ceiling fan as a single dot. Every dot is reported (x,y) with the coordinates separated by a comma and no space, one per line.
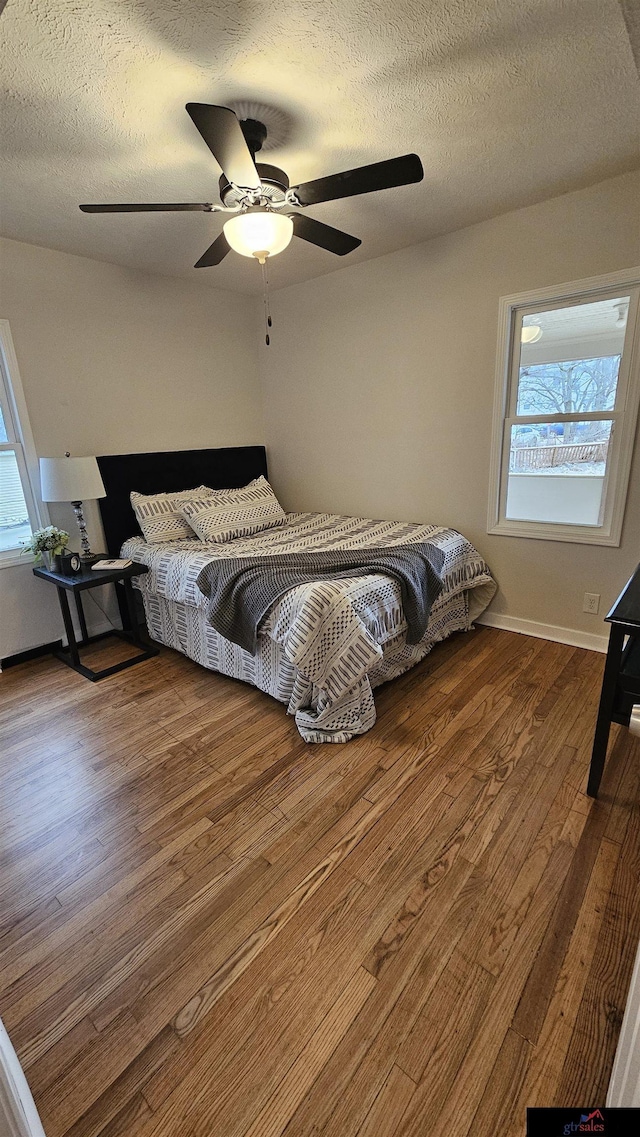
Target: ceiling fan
(259,194)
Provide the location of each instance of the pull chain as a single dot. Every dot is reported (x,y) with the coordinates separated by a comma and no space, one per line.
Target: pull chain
(265,296)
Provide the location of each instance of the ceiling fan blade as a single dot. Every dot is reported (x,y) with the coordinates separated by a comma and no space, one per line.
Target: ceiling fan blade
(215,253)
(223,135)
(380,175)
(325,236)
(205,206)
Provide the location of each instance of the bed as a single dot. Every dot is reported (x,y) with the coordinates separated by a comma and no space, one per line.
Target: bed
(325,645)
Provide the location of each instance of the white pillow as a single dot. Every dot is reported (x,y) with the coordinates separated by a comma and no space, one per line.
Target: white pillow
(159,517)
(235,513)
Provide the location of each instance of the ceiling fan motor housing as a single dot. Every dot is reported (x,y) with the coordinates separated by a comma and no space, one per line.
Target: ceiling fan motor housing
(275,183)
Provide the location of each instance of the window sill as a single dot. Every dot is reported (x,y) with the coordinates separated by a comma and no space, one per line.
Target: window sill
(12,557)
(539,531)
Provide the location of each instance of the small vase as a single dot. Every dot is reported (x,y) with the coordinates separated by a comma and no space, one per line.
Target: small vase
(48,559)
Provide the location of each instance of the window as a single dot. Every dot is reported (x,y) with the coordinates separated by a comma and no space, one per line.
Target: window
(20,512)
(567,393)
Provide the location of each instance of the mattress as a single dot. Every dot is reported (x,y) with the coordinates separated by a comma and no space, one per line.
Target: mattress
(324,646)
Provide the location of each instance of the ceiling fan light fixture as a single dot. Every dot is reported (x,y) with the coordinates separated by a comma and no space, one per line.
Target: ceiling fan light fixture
(259,233)
(531,333)
(622,312)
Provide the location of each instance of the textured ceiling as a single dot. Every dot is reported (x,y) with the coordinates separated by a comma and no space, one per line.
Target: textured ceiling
(506,101)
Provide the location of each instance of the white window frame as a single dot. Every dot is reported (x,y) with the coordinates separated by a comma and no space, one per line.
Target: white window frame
(14,409)
(625,416)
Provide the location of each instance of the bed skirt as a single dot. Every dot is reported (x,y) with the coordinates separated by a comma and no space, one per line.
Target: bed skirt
(319,716)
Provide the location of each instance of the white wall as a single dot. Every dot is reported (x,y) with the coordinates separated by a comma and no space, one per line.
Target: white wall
(378,388)
(114,361)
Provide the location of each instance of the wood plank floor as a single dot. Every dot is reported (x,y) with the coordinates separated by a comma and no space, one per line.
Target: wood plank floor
(208,927)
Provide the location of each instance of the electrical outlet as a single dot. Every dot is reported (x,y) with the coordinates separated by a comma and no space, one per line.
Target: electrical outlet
(591,602)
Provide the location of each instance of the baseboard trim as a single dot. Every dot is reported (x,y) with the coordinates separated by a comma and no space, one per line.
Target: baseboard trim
(545,631)
(48,649)
(31,653)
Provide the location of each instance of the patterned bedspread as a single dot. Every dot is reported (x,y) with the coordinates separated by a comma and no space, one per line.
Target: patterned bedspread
(323,646)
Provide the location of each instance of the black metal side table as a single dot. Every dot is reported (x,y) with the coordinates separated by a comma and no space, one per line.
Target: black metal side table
(92,578)
(621,680)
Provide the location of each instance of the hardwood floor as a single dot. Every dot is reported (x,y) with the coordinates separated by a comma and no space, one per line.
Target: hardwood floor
(208,927)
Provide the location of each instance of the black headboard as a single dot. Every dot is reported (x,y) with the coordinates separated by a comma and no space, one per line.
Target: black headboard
(165,473)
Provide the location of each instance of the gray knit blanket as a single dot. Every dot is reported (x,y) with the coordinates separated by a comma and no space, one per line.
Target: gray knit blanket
(241,590)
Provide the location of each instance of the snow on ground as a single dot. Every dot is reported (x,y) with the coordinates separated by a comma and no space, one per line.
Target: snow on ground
(581,469)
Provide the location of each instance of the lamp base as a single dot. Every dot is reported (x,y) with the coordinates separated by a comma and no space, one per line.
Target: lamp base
(86,556)
(89,559)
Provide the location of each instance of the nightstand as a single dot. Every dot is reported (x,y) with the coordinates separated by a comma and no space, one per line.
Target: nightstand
(93,578)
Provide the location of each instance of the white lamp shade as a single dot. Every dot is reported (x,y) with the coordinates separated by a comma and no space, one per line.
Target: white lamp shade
(257,233)
(70,479)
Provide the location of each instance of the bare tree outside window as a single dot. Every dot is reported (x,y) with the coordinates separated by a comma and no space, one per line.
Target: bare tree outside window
(570,387)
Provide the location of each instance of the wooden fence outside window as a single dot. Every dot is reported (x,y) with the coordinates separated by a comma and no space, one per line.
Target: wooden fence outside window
(527,458)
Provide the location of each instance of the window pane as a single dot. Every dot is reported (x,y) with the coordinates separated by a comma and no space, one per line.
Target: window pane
(557,472)
(14,519)
(3,429)
(570,358)
(569,387)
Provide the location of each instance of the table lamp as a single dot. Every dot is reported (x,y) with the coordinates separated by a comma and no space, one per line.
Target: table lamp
(75,480)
